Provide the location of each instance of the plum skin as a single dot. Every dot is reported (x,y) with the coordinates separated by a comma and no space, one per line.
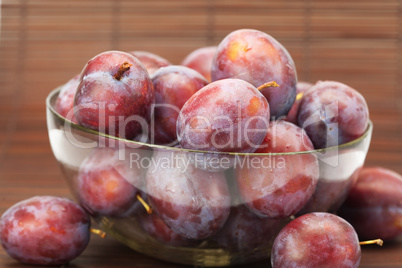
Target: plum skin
(245,231)
(317,239)
(301,87)
(151,61)
(279,191)
(116,107)
(374,204)
(65,100)
(329,194)
(194,203)
(332,113)
(258,58)
(107,185)
(157,228)
(173,86)
(220,116)
(201,60)
(44,230)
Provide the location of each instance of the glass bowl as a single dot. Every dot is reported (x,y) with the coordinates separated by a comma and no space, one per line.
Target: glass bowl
(128,186)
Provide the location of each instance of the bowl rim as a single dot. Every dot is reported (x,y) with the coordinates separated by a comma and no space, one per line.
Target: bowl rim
(139,144)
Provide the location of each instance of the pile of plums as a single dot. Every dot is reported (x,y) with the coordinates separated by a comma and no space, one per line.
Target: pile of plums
(240,99)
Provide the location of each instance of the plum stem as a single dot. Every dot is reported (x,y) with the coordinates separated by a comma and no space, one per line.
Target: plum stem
(123,68)
(375,241)
(299,96)
(268,84)
(145,205)
(101,233)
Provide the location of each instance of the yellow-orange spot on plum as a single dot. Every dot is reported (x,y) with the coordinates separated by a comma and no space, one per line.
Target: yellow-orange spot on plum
(398,222)
(111,186)
(253,106)
(194,123)
(271,52)
(56,230)
(327,227)
(237,50)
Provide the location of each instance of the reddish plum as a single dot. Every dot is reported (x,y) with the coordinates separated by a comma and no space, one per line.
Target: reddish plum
(107,184)
(115,95)
(65,99)
(44,230)
(229,115)
(156,227)
(192,202)
(278,186)
(332,113)
(245,231)
(330,193)
(201,60)
(374,204)
(258,58)
(316,240)
(151,61)
(173,85)
(301,87)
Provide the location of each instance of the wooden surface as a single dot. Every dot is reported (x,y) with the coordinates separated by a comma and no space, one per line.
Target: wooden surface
(44,43)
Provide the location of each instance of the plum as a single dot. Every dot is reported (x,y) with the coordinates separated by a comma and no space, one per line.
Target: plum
(156,228)
(228,115)
(201,60)
(257,58)
(245,231)
(194,203)
(115,95)
(374,204)
(173,85)
(151,61)
(316,240)
(108,185)
(278,186)
(301,87)
(44,230)
(332,113)
(65,99)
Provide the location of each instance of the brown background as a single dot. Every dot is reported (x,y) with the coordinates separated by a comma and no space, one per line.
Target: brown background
(45,43)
